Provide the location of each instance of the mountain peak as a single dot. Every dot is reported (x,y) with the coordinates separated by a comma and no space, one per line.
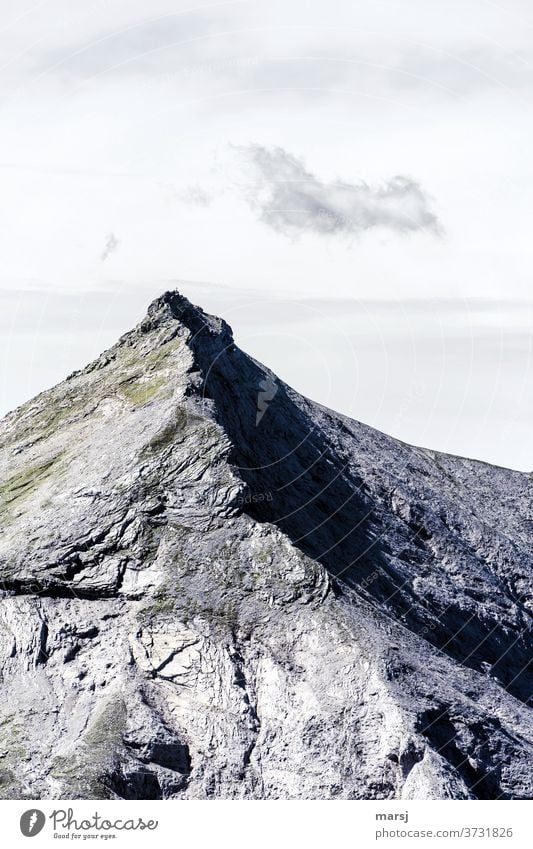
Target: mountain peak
(173,306)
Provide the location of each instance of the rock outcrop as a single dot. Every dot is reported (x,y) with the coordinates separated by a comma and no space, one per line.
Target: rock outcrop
(212,587)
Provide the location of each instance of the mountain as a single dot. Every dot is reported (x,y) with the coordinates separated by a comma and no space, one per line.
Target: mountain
(214,588)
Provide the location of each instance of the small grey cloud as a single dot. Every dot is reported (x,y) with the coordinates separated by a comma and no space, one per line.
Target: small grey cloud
(111,245)
(195,196)
(292,200)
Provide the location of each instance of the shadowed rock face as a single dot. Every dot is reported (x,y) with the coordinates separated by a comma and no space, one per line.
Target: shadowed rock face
(214,588)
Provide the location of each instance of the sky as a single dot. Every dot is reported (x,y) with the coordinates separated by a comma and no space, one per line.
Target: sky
(350,180)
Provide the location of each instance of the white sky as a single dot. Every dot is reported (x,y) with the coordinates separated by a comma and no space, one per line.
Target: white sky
(120,125)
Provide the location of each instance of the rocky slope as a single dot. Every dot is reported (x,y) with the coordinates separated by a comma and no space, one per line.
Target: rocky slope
(214,588)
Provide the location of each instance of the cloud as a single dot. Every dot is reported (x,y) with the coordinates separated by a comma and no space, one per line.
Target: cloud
(111,245)
(292,200)
(196,196)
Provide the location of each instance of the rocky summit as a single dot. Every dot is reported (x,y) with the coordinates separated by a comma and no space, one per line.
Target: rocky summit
(212,587)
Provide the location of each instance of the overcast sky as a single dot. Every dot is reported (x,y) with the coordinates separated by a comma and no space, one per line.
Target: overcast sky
(345,151)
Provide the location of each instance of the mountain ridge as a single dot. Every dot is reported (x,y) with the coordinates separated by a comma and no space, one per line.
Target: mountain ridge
(175,508)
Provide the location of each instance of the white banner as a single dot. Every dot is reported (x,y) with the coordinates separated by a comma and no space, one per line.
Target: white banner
(276,824)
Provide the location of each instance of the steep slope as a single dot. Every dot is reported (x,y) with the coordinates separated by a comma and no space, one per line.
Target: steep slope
(212,587)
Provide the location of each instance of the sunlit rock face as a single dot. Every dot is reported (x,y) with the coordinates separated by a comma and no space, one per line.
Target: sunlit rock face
(213,588)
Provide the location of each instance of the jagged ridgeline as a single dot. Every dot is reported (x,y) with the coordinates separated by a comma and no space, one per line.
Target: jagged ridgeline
(212,587)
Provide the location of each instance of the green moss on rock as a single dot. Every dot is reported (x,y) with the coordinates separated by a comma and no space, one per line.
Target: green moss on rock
(25,481)
(139,392)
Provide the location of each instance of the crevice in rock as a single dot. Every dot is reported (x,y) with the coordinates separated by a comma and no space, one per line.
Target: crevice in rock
(48,589)
(42,654)
(482,776)
(134,784)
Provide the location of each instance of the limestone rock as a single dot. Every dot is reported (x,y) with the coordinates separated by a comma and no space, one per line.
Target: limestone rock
(213,588)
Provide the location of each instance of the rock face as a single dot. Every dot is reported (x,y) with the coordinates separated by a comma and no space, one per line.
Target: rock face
(214,588)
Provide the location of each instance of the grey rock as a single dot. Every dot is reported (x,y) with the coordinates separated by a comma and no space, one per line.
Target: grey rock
(212,587)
